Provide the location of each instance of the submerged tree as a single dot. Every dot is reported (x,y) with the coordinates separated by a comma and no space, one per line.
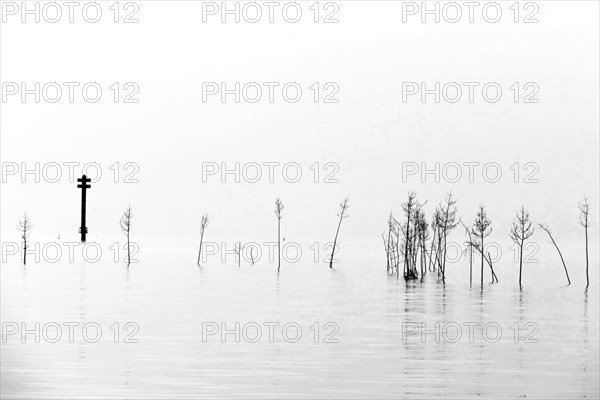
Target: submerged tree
(446,223)
(522,230)
(238,247)
(408,208)
(422,236)
(125,224)
(546,229)
(584,212)
(387,243)
(203,224)
(412,210)
(341,214)
(391,245)
(278,213)
(481,229)
(24,227)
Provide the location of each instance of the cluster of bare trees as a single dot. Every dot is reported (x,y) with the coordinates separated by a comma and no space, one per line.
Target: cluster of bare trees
(413,245)
(406,241)
(402,245)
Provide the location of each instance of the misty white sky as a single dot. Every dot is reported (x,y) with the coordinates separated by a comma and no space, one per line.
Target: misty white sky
(369,133)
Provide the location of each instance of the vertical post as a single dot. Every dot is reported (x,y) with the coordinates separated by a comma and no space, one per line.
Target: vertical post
(83,186)
(83,214)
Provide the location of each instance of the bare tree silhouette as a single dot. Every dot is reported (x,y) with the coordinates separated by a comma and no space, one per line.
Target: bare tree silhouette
(342,214)
(415,221)
(238,247)
(584,212)
(422,236)
(481,229)
(387,244)
(546,229)
(278,213)
(408,211)
(446,222)
(125,224)
(521,230)
(24,227)
(203,225)
(391,245)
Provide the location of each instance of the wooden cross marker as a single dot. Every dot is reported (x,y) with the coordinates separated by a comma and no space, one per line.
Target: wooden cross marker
(83,185)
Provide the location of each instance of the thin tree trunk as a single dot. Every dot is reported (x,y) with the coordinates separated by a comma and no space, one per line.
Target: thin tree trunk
(587,275)
(561,258)
(444,258)
(334,242)
(520,262)
(431,251)
(128,250)
(406,259)
(278,245)
(387,254)
(200,249)
(387,251)
(470,266)
(492,268)
(482,260)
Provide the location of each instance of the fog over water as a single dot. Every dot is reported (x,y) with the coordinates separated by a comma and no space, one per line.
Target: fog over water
(232,327)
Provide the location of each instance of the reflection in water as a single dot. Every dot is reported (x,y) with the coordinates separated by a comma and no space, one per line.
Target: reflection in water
(374,357)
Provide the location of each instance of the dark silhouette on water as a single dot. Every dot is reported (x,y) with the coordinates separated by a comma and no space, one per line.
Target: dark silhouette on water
(125,224)
(446,221)
(546,229)
(342,214)
(83,185)
(482,229)
(24,227)
(408,207)
(404,241)
(203,224)
(407,243)
(278,213)
(584,208)
(391,245)
(521,230)
(415,220)
(238,247)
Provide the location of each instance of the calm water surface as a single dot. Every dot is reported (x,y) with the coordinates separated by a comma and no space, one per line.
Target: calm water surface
(169,300)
